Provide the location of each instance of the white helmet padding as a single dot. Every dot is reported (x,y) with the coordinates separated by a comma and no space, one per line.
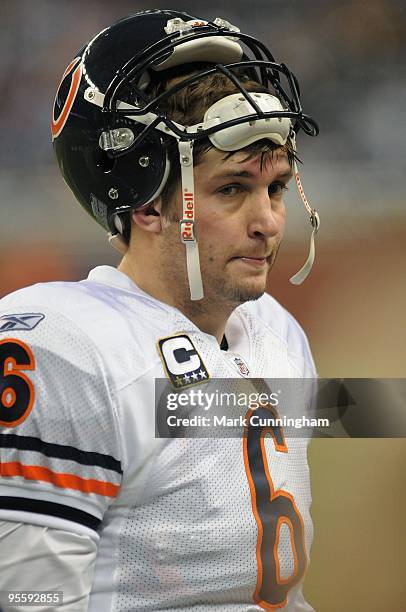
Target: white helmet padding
(216,49)
(236,106)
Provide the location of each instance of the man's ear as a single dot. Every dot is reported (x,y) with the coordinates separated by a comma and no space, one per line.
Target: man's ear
(149,217)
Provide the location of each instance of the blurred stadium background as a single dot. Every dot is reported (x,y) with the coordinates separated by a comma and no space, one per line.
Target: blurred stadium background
(350,58)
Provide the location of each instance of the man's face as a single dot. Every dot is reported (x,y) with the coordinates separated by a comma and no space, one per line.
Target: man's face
(240,218)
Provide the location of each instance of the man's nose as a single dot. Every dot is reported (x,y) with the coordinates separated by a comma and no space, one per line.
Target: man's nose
(263,219)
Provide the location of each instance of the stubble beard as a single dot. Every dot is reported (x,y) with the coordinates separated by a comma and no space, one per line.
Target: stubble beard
(235,293)
(221,290)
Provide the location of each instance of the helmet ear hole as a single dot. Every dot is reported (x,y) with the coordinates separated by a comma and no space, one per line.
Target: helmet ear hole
(103,161)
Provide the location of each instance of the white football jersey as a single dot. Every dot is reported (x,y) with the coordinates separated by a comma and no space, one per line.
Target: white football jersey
(209,524)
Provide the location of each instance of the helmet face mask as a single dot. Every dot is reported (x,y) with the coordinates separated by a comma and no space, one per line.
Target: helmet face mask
(110,131)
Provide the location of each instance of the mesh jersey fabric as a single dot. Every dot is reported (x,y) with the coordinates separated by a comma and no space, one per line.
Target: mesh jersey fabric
(175,517)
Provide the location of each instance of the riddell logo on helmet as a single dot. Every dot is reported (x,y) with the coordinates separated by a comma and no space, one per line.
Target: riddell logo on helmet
(188,205)
(187,231)
(188,213)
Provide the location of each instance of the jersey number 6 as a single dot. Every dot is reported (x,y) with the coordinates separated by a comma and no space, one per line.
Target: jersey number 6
(16,389)
(271,509)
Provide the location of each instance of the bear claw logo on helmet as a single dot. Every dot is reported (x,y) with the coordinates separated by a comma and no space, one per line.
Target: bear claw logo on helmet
(110,137)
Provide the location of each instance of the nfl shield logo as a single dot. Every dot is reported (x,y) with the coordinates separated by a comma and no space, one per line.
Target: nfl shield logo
(243,368)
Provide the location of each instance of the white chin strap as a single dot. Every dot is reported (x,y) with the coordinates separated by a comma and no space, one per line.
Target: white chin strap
(303,273)
(187,223)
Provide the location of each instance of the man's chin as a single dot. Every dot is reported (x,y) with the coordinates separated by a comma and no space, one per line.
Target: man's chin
(245,292)
(250,297)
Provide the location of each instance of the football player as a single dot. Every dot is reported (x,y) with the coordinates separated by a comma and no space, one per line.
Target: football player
(178,136)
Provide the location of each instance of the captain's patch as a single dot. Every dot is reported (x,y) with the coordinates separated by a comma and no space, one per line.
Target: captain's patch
(183,365)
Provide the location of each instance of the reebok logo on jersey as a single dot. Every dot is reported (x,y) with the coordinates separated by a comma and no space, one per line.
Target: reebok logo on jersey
(20,322)
(183,365)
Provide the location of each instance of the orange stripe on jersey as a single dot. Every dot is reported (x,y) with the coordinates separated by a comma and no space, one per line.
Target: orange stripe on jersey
(64,481)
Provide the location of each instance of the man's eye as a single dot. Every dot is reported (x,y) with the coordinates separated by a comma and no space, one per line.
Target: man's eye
(277,188)
(230,190)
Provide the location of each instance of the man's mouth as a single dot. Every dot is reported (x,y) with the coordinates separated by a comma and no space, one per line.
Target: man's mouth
(255,257)
(257,262)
